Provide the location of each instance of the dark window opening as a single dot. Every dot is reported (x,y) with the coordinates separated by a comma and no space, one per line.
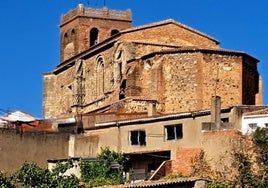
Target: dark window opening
(94,36)
(137,137)
(173,132)
(122,90)
(73,31)
(114,31)
(224,120)
(100,76)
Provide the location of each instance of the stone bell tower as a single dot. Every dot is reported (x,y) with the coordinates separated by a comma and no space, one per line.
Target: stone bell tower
(85,27)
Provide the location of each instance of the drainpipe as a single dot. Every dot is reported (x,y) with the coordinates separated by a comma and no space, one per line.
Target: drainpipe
(216,111)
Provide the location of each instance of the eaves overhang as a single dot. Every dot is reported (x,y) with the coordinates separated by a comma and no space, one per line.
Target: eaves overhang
(166,22)
(195,50)
(87,53)
(159,118)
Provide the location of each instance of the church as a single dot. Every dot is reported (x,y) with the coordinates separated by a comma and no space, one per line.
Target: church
(159,93)
(108,66)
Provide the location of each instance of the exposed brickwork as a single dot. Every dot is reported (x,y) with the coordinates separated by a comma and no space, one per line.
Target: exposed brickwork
(184,158)
(171,34)
(223,77)
(76,26)
(178,67)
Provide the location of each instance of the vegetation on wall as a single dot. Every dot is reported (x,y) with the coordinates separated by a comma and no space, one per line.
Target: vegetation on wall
(107,169)
(5,181)
(31,175)
(248,169)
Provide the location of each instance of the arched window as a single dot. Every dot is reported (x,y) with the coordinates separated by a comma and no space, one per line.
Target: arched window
(114,31)
(100,76)
(94,36)
(65,38)
(73,31)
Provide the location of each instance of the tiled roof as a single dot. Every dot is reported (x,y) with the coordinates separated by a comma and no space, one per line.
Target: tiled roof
(257,112)
(169,21)
(196,49)
(156,183)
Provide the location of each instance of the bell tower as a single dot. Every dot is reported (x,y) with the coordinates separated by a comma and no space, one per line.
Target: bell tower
(85,27)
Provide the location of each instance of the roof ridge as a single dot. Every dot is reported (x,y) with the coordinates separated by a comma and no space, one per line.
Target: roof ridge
(167,21)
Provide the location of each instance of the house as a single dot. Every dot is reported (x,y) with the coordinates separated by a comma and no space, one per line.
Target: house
(252,120)
(159,93)
(166,143)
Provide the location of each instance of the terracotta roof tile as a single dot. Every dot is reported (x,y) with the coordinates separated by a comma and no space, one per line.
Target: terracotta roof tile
(257,112)
(156,183)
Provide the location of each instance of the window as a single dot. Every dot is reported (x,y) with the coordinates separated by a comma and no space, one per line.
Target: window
(173,132)
(114,31)
(253,125)
(224,120)
(94,36)
(100,76)
(137,137)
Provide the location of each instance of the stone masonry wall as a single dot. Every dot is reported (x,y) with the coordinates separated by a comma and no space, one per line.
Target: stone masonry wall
(179,81)
(171,34)
(222,76)
(48,95)
(250,81)
(186,81)
(77,33)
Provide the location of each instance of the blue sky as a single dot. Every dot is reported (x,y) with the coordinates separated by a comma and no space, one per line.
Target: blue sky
(29,36)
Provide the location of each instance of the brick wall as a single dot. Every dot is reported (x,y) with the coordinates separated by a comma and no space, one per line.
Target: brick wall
(160,62)
(171,34)
(183,161)
(179,81)
(76,26)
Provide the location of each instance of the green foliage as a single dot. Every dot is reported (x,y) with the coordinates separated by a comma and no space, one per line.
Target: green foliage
(200,166)
(215,184)
(5,181)
(100,172)
(243,171)
(31,175)
(245,176)
(61,180)
(260,137)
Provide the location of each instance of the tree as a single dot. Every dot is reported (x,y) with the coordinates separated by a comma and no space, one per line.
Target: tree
(260,137)
(101,172)
(5,181)
(31,175)
(249,166)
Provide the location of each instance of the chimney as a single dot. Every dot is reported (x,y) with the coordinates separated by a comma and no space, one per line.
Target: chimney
(151,108)
(216,111)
